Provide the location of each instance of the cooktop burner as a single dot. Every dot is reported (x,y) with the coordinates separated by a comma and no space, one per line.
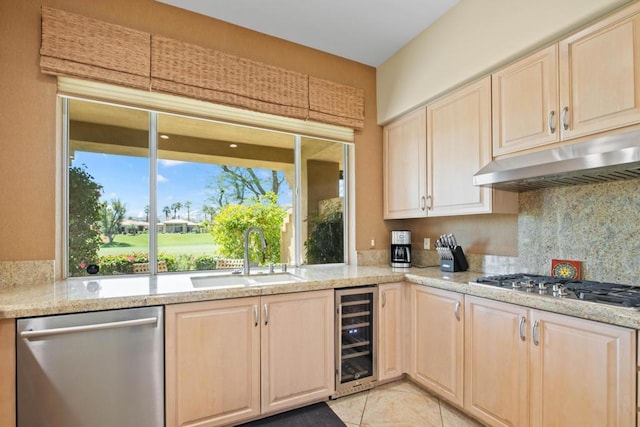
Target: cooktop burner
(601,292)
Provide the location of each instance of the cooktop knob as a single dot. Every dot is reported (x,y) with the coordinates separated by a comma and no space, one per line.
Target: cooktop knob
(542,286)
(529,283)
(515,284)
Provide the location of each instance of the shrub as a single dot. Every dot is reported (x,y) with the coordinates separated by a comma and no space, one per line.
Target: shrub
(205,262)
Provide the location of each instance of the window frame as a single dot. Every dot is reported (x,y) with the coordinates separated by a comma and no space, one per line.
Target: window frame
(112,95)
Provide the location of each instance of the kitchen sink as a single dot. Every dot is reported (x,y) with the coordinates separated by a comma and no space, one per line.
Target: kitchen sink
(238,281)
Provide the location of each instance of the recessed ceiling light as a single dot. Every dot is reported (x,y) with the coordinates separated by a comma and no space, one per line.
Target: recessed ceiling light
(233,145)
(164,136)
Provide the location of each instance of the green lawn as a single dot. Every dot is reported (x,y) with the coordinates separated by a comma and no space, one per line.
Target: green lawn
(174,243)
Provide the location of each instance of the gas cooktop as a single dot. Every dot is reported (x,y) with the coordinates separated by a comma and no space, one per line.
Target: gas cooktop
(600,292)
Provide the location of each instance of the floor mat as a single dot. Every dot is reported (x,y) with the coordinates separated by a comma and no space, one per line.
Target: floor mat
(317,415)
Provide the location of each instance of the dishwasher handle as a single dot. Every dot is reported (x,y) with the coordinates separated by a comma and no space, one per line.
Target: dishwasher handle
(85,328)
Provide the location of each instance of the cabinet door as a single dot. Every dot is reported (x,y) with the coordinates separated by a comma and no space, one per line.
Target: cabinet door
(583,372)
(600,75)
(8,372)
(458,145)
(212,362)
(496,362)
(390,331)
(437,341)
(405,167)
(297,349)
(525,103)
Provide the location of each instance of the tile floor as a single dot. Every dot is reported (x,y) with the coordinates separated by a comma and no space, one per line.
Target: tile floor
(398,404)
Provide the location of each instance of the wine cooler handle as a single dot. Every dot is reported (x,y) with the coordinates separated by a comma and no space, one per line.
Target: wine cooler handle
(266,314)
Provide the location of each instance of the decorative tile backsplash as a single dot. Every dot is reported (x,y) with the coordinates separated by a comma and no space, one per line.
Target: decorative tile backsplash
(25,273)
(597,224)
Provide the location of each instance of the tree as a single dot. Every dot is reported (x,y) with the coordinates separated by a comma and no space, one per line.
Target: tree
(229,225)
(236,184)
(167,212)
(187,205)
(146,213)
(112,214)
(175,207)
(84,213)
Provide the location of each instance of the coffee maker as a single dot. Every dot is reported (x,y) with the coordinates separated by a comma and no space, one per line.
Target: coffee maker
(401,248)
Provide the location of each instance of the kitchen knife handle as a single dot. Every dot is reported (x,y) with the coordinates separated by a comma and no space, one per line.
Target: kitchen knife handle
(550,122)
(521,328)
(565,118)
(456,311)
(536,332)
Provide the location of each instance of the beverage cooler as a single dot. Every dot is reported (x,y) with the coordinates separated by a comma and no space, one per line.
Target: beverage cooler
(355,339)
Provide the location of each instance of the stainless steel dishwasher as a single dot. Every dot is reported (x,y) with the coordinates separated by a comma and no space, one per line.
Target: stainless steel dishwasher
(96,369)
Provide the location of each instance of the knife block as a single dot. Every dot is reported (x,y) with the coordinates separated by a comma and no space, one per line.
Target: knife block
(457,263)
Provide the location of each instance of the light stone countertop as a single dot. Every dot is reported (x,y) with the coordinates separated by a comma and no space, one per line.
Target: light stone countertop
(103,293)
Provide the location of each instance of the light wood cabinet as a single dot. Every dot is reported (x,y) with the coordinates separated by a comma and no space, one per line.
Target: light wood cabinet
(496,362)
(529,367)
(404,167)
(525,103)
(582,372)
(600,75)
(458,145)
(437,341)
(585,84)
(232,360)
(212,359)
(390,330)
(297,349)
(8,373)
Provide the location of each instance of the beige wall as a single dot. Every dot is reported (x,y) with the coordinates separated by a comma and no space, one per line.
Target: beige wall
(28,110)
(470,40)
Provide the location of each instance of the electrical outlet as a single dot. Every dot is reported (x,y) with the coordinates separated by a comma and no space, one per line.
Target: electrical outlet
(427,243)
(373,243)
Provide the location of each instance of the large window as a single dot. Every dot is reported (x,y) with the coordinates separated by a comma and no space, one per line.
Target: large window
(155,192)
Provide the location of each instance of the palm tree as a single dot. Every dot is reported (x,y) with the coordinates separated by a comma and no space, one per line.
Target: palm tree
(167,212)
(187,205)
(176,207)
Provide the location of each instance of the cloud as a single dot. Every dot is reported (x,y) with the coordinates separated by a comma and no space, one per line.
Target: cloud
(170,163)
(161,178)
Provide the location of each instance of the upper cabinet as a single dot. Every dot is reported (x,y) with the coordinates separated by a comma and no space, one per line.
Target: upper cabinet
(405,166)
(600,75)
(525,103)
(458,145)
(430,158)
(585,84)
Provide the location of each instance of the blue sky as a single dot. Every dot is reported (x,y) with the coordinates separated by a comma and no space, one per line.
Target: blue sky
(127,178)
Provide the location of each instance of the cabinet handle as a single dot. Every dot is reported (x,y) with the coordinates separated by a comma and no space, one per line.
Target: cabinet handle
(565,118)
(429,202)
(266,315)
(521,328)
(384,299)
(456,311)
(255,314)
(423,203)
(551,120)
(536,331)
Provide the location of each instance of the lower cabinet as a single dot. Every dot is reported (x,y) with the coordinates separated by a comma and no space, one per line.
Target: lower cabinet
(8,372)
(390,342)
(529,367)
(437,341)
(232,360)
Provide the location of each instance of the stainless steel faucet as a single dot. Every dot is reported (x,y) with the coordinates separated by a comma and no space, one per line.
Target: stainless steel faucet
(245,267)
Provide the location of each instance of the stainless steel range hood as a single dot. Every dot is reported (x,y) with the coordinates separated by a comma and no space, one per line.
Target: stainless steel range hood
(605,158)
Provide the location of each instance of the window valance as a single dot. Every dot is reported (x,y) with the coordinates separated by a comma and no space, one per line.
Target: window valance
(77,46)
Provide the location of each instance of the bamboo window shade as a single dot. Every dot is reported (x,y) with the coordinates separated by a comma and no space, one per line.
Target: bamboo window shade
(184,69)
(77,46)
